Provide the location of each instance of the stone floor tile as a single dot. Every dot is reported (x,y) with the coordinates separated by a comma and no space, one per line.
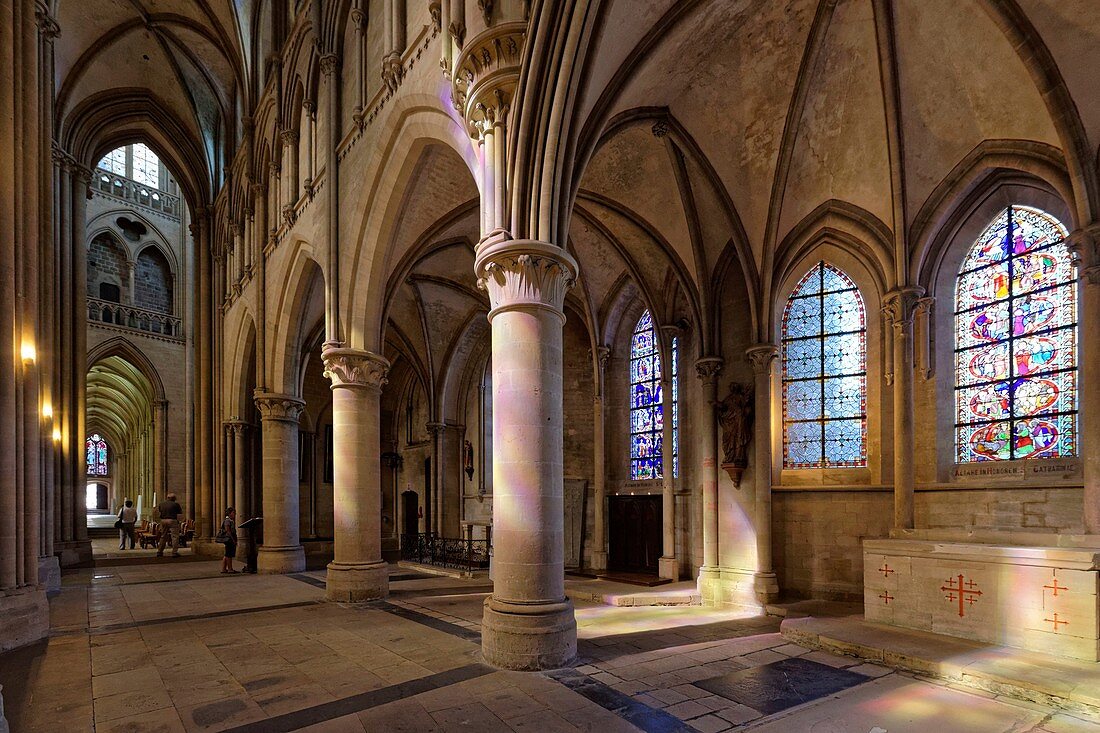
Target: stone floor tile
(289,699)
(470,717)
(142,678)
(737,714)
(709,724)
(668,696)
(219,714)
(126,704)
(598,720)
(402,716)
(691,692)
(165,720)
(765,656)
(544,721)
(833,660)
(511,703)
(687,710)
(1068,724)
(346,724)
(631,687)
(791,650)
(870,670)
(607,678)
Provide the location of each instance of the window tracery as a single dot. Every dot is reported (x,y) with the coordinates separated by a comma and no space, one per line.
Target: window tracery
(1016,342)
(824,337)
(95,449)
(646,406)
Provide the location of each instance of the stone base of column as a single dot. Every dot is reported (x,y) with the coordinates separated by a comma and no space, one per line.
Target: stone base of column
(599,560)
(75,553)
(528,638)
(766,586)
(24,617)
(49,574)
(668,567)
(272,560)
(732,589)
(207,547)
(356,582)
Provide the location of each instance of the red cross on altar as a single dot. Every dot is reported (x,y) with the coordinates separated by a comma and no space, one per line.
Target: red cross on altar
(963,591)
(1054,585)
(1055,621)
(886,570)
(886,597)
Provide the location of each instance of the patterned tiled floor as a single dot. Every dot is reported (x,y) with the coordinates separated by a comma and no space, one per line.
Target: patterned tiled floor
(177,647)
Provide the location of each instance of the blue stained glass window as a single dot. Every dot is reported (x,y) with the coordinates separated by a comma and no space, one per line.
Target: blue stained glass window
(825,372)
(95,450)
(1016,342)
(646,407)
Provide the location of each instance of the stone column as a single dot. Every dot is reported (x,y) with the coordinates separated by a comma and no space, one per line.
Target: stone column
(528,621)
(1084,245)
(765,583)
(240,496)
(599,463)
(282,551)
(357,571)
(899,307)
(436,430)
(667,565)
(160,454)
(707,369)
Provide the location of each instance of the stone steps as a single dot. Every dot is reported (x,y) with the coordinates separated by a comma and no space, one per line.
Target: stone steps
(1016,673)
(622,595)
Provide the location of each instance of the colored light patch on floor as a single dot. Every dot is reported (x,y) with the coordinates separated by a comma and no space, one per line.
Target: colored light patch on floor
(773,687)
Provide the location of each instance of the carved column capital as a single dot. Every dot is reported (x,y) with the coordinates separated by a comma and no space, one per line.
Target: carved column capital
(355,368)
(524,273)
(284,407)
(761,357)
(1084,247)
(236,426)
(899,306)
(48,27)
(330,64)
(486,74)
(603,353)
(708,368)
(273,168)
(393,71)
(289,137)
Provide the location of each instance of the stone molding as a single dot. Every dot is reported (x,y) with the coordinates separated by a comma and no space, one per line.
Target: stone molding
(355,368)
(274,406)
(236,425)
(708,368)
(761,356)
(486,75)
(525,273)
(1084,248)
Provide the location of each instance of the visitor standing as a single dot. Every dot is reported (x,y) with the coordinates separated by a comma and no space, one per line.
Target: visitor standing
(170,512)
(227,535)
(127,515)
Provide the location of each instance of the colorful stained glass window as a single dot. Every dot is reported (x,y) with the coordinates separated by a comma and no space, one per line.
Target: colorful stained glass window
(1016,342)
(646,409)
(95,455)
(825,372)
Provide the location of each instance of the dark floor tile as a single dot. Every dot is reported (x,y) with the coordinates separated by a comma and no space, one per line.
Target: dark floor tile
(773,687)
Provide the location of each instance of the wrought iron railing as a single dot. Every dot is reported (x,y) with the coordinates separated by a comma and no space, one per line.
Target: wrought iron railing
(130,190)
(127,316)
(446,552)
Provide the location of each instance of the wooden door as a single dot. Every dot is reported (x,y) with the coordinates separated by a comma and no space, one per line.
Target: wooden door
(634,533)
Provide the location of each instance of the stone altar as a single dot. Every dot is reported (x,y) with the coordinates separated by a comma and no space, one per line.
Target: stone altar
(1042,598)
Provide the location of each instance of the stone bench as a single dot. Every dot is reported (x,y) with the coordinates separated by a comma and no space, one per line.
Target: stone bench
(1033,597)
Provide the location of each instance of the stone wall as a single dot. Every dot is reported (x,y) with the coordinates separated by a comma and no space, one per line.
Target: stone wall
(153,282)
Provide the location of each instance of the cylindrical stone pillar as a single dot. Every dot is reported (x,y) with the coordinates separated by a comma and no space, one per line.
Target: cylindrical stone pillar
(282,550)
(765,583)
(240,492)
(707,369)
(357,571)
(667,565)
(899,308)
(1084,244)
(528,621)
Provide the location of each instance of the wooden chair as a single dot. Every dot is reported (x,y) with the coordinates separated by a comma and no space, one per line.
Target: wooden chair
(150,537)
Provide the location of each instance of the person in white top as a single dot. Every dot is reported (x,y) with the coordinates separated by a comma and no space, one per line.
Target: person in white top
(127,515)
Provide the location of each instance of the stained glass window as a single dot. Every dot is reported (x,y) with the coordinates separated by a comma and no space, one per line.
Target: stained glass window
(646,409)
(1016,342)
(115,161)
(825,372)
(95,455)
(146,166)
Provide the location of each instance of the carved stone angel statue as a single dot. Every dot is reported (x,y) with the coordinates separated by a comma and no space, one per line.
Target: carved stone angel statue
(735,414)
